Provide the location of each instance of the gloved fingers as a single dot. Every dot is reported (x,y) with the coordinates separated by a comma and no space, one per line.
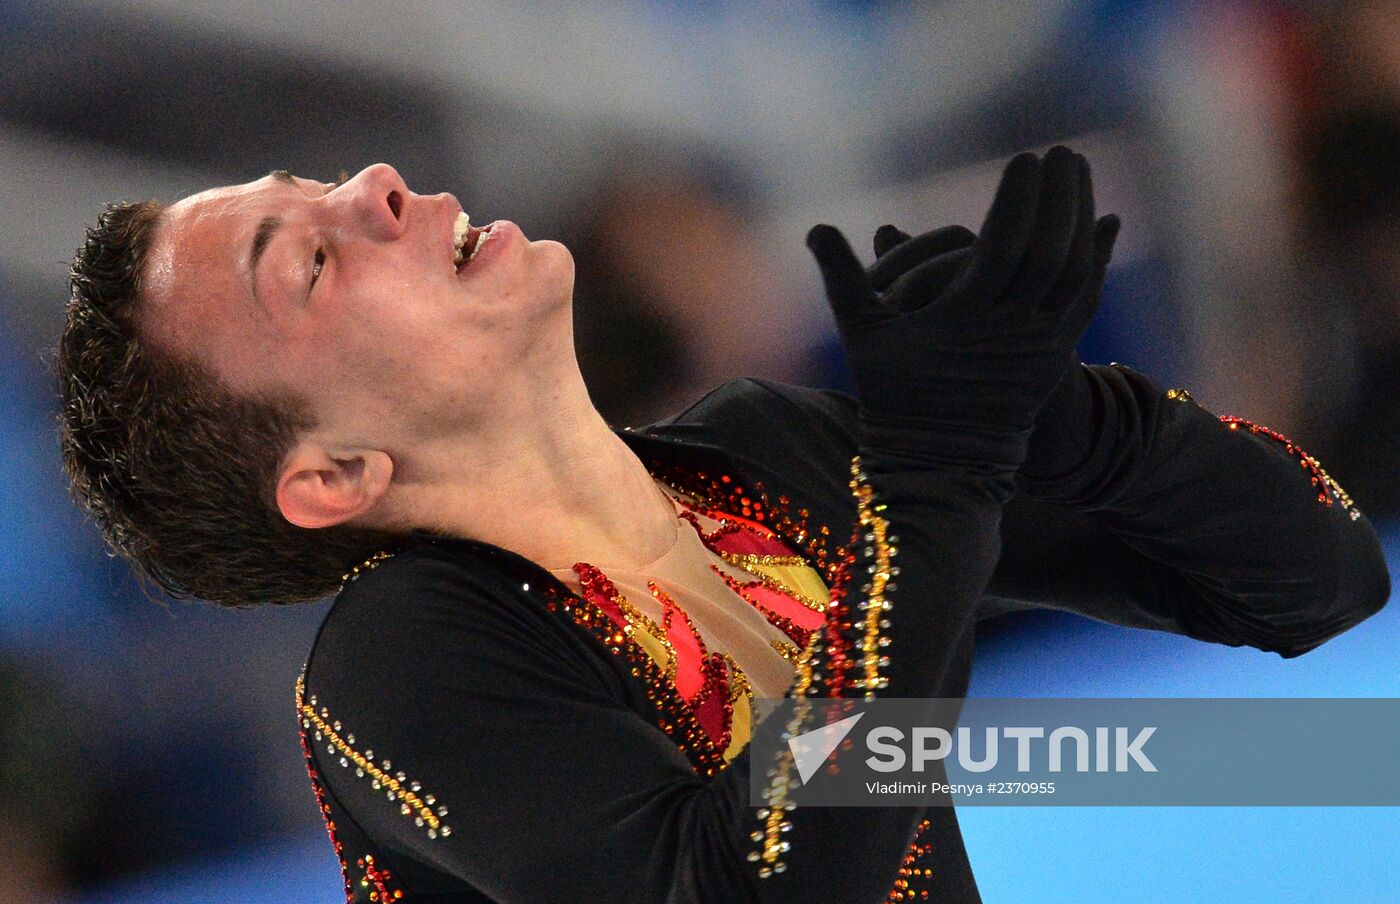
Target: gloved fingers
(1079,262)
(1006,231)
(925,282)
(847,288)
(1085,305)
(887,237)
(1105,234)
(1055,219)
(901,258)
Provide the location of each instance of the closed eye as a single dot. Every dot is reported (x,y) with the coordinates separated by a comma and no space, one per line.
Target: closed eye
(318,264)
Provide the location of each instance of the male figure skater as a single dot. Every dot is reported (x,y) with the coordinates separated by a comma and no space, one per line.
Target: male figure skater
(535,682)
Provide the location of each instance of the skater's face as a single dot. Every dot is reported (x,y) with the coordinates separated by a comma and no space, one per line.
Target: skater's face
(347,295)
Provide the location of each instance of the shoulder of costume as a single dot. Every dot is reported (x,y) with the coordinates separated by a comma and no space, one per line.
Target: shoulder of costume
(749,395)
(760,420)
(427,577)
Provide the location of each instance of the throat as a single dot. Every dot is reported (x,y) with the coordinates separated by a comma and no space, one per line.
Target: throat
(634,542)
(551,482)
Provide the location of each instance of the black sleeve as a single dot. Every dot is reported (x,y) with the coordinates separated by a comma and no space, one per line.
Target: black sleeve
(1183,521)
(556,789)
(1177,522)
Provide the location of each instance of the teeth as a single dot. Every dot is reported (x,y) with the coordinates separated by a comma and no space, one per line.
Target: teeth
(459,234)
(480,243)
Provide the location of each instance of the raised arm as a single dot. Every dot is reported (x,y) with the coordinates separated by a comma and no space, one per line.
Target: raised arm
(1140,507)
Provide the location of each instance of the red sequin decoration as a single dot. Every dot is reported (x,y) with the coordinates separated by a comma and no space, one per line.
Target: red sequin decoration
(1327,488)
(909,872)
(324,807)
(749,592)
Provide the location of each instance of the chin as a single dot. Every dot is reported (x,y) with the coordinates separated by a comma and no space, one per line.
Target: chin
(553,265)
(554,252)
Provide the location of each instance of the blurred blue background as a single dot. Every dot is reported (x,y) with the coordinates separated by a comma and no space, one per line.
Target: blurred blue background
(147,749)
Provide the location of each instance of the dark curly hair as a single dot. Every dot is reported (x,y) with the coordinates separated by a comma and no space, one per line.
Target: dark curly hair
(177,470)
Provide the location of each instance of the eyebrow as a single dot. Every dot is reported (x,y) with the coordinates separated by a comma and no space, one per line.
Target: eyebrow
(282,175)
(268,226)
(262,237)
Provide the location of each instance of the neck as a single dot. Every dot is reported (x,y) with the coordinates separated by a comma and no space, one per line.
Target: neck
(548,480)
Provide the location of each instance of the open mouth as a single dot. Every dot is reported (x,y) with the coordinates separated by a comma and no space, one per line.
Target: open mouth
(468,240)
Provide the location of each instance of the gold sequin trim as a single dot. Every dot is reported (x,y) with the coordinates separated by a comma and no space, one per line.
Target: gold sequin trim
(778,585)
(367,565)
(882,571)
(738,682)
(774,816)
(636,617)
(747,560)
(880,550)
(425,810)
(789,651)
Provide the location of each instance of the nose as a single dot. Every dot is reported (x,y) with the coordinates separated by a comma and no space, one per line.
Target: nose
(379,199)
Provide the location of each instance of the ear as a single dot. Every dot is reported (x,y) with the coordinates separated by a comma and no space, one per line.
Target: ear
(321,488)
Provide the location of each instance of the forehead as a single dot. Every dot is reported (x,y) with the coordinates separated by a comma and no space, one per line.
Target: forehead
(208,215)
(194,282)
(194,227)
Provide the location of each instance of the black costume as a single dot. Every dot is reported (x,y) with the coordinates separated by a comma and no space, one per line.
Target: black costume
(477,733)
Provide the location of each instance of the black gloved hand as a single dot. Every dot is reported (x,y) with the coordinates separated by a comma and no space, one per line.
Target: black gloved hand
(1067,427)
(954,357)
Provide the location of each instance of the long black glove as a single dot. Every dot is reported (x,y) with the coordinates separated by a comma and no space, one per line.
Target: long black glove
(954,357)
(1067,427)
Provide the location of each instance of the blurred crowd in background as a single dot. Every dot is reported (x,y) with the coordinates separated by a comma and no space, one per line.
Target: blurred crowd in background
(681,150)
